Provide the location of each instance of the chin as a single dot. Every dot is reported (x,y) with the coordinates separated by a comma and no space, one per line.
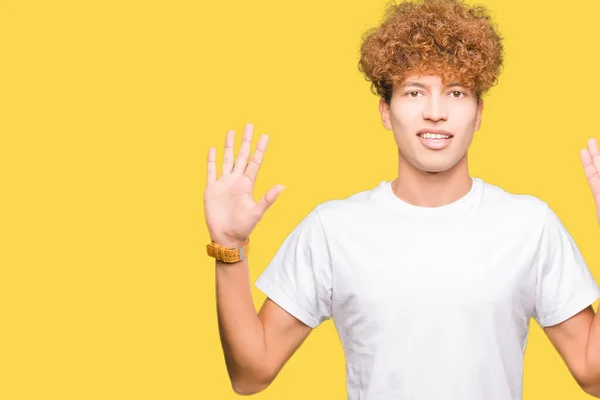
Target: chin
(435,168)
(432,163)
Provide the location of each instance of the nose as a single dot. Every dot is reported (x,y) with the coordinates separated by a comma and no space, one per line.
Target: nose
(435,109)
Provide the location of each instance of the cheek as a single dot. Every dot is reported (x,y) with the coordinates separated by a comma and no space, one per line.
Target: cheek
(469,113)
(468,116)
(406,118)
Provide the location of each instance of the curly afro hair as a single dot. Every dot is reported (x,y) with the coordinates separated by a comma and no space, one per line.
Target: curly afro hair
(438,37)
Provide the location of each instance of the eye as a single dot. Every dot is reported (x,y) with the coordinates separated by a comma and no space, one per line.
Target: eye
(457,93)
(412,94)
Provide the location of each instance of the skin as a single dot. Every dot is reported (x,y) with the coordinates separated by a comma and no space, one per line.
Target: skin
(257,345)
(426,177)
(577,339)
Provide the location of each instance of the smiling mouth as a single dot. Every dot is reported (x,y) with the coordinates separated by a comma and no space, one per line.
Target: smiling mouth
(434,136)
(435,141)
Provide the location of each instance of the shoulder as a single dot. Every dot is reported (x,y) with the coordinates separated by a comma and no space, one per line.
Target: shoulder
(518,207)
(353,205)
(362,200)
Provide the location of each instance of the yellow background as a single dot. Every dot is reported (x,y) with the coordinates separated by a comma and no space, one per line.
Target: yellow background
(107,111)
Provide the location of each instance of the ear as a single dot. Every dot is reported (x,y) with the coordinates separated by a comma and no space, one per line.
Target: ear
(479,115)
(384,110)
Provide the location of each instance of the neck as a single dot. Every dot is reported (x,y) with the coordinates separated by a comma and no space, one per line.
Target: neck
(431,189)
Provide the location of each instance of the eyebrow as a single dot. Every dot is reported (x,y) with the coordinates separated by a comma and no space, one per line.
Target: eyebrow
(425,86)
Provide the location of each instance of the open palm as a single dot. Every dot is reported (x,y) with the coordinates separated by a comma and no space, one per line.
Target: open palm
(229,208)
(590,158)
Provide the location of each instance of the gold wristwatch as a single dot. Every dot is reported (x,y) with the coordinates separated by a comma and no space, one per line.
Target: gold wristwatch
(228,254)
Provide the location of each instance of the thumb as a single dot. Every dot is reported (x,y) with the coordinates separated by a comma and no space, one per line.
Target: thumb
(269,198)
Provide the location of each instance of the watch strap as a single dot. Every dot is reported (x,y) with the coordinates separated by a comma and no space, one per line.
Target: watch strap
(228,254)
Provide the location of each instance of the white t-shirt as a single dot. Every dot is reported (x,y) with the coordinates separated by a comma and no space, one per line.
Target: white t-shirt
(431,302)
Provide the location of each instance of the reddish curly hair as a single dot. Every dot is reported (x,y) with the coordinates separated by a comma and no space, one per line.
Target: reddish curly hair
(448,38)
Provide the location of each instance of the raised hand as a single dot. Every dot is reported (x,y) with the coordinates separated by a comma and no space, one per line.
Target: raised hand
(590,158)
(229,208)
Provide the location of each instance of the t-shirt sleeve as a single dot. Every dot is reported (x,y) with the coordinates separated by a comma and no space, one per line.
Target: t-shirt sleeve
(565,284)
(298,278)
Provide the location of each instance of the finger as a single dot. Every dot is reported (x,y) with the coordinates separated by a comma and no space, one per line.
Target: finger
(591,173)
(266,202)
(588,165)
(593,149)
(211,170)
(242,159)
(228,153)
(257,158)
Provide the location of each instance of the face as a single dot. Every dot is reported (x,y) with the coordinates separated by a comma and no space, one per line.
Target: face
(433,123)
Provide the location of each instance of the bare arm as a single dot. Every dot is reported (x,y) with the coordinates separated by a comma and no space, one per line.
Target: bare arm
(576,342)
(256,347)
(577,339)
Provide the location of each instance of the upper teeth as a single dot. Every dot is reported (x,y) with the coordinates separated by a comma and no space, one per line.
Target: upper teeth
(434,136)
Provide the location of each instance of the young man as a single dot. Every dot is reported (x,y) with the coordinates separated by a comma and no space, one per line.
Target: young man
(431,279)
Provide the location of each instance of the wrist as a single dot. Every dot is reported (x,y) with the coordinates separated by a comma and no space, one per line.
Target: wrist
(229,242)
(232,252)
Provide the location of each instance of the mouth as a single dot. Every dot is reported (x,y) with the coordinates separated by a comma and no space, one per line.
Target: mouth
(435,139)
